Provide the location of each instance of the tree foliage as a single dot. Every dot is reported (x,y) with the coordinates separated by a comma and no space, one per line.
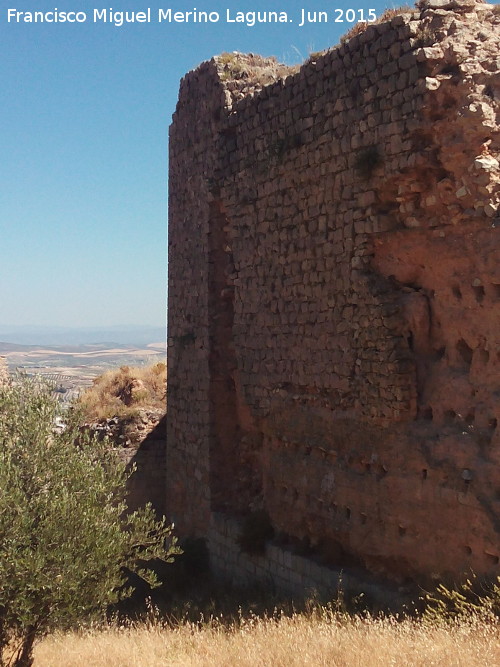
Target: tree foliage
(66,539)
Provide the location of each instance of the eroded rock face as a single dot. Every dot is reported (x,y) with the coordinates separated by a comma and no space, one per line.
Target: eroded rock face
(334,291)
(140,442)
(128,432)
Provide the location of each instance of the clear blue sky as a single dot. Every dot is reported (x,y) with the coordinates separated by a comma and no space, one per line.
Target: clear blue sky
(83,150)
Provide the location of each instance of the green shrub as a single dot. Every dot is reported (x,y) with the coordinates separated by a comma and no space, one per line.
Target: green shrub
(66,540)
(463,601)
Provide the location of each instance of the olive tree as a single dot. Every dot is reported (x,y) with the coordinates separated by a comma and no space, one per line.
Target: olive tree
(66,538)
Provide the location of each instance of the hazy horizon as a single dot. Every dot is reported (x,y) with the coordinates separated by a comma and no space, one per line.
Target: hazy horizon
(86,335)
(121,325)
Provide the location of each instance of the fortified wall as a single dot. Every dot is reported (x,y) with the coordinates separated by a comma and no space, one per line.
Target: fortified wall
(334,302)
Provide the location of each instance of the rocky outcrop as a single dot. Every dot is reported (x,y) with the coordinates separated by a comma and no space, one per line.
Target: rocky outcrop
(140,442)
(128,432)
(334,297)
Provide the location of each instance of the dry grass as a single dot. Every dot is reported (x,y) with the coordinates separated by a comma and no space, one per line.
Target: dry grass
(250,68)
(320,639)
(361,26)
(387,15)
(124,391)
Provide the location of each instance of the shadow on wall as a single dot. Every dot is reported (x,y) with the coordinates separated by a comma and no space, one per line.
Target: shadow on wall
(147,484)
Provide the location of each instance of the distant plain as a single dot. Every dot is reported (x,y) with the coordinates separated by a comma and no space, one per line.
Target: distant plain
(72,366)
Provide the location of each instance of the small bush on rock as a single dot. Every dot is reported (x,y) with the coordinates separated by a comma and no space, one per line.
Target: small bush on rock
(124,391)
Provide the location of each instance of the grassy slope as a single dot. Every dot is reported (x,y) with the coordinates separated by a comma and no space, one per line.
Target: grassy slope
(299,640)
